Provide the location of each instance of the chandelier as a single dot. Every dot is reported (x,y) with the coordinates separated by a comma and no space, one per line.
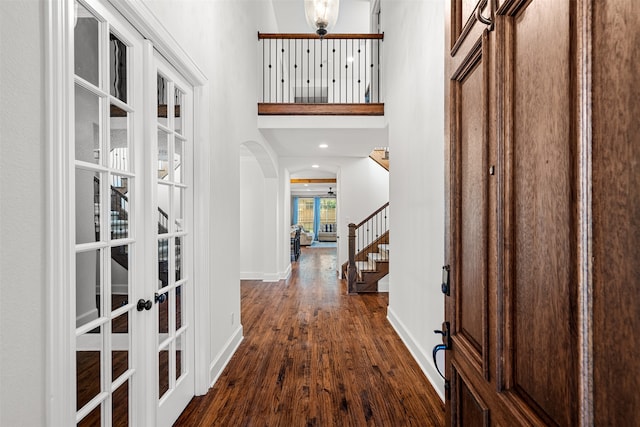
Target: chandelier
(321,14)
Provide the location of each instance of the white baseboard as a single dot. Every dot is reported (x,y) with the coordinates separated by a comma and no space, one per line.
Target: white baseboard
(251,276)
(271,277)
(266,277)
(87,317)
(418,354)
(223,357)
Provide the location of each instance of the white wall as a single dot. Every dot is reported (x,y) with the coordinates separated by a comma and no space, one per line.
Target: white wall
(252,236)
(221,38)
(363,186)
(22,214)
(414,106)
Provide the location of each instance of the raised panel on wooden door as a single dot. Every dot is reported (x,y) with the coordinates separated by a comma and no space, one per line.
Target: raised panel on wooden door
(464,21)
(469,157)
(539,284)
(468,408)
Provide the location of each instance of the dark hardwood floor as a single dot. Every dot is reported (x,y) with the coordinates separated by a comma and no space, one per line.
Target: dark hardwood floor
(314,356)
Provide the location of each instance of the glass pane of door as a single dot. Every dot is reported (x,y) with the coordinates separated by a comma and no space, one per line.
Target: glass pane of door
(174,349)
(105,204)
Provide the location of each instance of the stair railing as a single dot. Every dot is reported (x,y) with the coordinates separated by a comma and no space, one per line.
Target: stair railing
(364,238)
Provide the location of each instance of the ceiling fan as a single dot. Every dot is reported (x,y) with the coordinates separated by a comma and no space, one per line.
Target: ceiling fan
(330,193)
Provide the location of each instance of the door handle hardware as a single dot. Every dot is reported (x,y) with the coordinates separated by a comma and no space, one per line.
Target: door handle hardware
(446,335)
(160,298)
(446,288)
(437,349)
(144,305)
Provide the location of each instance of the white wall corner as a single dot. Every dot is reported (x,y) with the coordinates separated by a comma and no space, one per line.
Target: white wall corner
(284,275)
(417,352)
(222,358)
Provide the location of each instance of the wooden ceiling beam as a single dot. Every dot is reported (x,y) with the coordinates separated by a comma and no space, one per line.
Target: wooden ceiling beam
(313,180)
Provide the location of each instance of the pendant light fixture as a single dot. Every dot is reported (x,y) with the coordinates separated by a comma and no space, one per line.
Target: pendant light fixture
(321,14)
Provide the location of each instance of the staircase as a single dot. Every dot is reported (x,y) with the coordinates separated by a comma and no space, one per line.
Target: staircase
(368,252)
(120,230)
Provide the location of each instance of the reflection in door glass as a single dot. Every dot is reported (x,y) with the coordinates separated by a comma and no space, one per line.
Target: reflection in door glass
(163,371)
(120,405)
(119,140)
(179,311)
(178,208)
(179,351)
(178,259)
(178,146)
(88,366)
(119,209)
(163,155)
(164,221)
(119,345)
(88,286)
(87,206)
(118,65)
(87,125)
(93,419)
(178,111)
(162,100)
(86,45)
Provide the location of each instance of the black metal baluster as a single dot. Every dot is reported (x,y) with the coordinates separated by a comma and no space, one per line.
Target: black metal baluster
(295,70)
(366,87)
(282,70)
(289,69)
(352,70)
(308,71)
(378,65)
(270,97)
(359,71)
(333,42)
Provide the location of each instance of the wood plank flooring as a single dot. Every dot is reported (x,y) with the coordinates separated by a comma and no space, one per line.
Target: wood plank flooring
(314,356)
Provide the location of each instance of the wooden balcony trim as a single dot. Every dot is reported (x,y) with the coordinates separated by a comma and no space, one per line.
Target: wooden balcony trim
(315,36)
(298,109)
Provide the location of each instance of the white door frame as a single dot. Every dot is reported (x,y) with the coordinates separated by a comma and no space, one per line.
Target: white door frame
(59,124)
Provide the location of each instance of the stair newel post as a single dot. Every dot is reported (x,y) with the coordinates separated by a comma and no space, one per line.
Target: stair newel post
(351,268)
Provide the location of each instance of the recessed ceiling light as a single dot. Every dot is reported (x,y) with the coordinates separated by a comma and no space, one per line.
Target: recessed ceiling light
(323,145)
(315,166)
(306,185)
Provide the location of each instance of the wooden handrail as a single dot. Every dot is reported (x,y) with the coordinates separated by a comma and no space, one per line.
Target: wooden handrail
(379,36)
(372,215)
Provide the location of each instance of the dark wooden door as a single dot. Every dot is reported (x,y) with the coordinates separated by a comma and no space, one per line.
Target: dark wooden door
(513,231)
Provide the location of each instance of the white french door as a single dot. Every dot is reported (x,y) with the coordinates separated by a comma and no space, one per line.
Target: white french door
(172,202)
(131,199)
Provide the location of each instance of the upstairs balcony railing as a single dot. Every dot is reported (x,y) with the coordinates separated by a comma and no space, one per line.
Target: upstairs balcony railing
(302,74)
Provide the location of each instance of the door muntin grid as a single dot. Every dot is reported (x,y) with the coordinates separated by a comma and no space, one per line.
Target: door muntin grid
(104,205)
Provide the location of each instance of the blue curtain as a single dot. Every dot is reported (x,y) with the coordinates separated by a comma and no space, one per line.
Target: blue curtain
(316,216)
(294,218)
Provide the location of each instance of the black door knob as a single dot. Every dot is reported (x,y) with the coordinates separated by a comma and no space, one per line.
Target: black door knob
(144,305)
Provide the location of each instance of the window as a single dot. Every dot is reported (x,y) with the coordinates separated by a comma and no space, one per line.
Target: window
(327,214)
(305,213)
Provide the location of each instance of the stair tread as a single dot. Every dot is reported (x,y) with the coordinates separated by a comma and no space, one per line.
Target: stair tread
(364,266)
(378,257)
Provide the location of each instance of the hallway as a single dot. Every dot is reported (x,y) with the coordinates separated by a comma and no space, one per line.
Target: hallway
(314,356)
